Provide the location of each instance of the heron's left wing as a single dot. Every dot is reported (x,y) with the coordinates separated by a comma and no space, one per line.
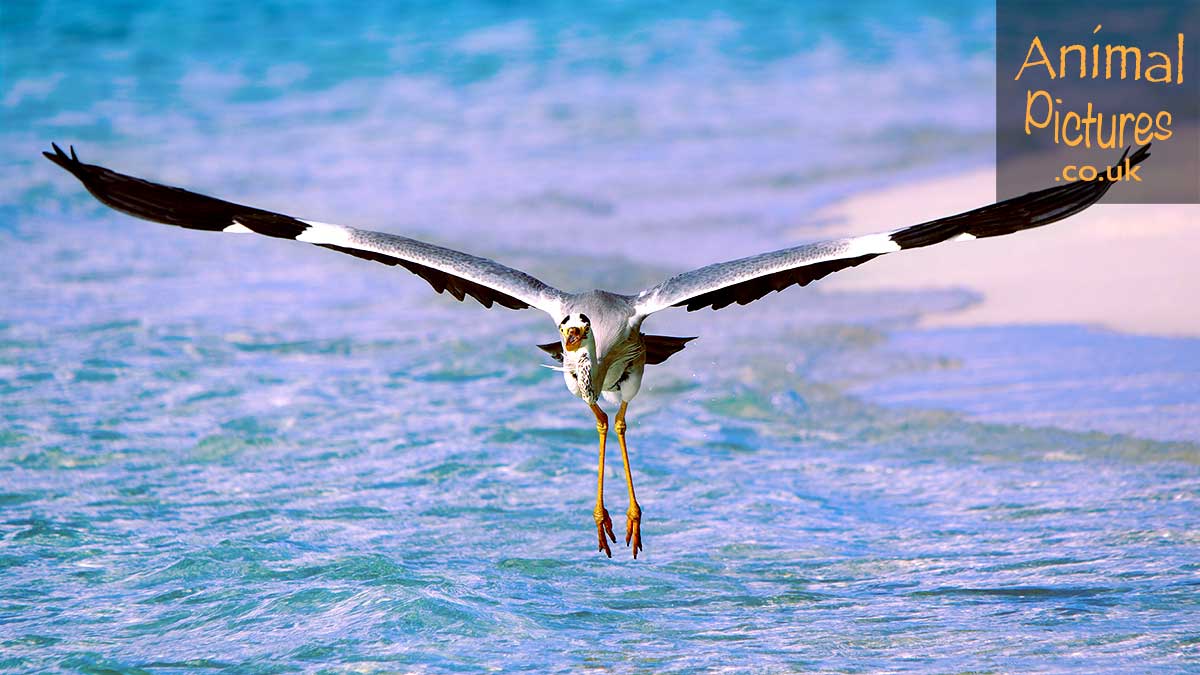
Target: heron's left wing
(748,279)
(445,269)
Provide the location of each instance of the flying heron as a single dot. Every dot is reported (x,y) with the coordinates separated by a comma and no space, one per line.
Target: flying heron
(601,347)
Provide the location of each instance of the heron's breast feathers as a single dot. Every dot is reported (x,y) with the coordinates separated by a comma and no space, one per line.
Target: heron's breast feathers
(578,374)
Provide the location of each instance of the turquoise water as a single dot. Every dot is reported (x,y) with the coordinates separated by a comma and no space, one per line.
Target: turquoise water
(222,453)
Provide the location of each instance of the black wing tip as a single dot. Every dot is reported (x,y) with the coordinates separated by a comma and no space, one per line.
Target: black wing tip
(1024,212)
(69,162)
(1139,155)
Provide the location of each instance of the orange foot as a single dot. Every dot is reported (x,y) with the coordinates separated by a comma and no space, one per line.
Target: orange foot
(603,525)
(633,528)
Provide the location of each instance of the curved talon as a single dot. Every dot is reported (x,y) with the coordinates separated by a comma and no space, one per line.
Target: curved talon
(633,528)
(603,526)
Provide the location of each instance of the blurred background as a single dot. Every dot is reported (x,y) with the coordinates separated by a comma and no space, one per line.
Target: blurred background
(253,455)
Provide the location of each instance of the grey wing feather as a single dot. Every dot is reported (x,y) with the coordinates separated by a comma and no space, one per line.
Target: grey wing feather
(459,273)
(748,279)
(445,269)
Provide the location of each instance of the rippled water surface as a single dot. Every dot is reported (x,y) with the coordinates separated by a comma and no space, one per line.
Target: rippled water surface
(231,453)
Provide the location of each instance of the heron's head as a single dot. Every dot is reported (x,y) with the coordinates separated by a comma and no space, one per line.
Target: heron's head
(576,330)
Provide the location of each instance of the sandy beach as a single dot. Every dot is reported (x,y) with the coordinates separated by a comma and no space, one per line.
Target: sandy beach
(1128,267)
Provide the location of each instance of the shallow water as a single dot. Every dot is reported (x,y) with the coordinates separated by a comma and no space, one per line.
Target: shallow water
(222,453)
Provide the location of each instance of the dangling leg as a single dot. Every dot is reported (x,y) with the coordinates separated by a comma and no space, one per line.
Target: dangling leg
(633,517)
(600,515)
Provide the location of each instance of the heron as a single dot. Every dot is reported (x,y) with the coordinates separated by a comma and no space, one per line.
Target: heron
(601,349)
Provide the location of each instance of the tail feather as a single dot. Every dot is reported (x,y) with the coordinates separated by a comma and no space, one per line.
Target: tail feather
(659,348)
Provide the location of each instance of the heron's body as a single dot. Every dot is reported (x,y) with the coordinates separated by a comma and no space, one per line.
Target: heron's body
(619,355)
(615,376)
(601,345)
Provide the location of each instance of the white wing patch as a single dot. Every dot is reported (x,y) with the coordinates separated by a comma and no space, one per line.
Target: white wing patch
(869,244)
(238,228)
(325,233)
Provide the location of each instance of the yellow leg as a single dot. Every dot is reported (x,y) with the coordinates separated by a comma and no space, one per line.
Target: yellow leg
(600,514)
(633,517)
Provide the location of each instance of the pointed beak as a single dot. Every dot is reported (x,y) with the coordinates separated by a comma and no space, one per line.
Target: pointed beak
(573,338)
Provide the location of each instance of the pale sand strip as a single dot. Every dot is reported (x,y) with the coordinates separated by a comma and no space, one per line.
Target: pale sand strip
(1134,268)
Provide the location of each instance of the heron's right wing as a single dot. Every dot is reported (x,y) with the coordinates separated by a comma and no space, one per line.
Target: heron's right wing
(445,269)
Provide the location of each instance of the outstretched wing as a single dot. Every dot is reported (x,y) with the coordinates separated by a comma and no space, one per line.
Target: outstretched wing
(445,269)
(748,279)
